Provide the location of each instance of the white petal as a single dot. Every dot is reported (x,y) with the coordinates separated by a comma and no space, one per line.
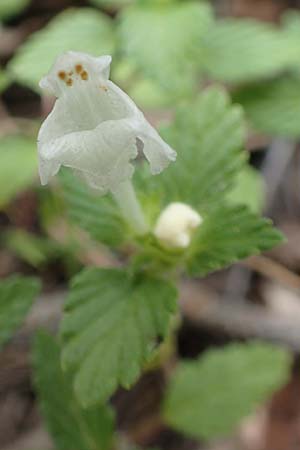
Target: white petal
(94,125)
(47,169)
(101,156)
(158,152)
(64,69)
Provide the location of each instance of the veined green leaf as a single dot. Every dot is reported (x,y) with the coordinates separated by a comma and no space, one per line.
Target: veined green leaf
(81,29)
(208,135)
(18,166)
(71,427)
(273,107)
(210,169)
(243,50)
(228,234)
(207,398)
(99,216)
(164,41)
(110,326)
(17,294)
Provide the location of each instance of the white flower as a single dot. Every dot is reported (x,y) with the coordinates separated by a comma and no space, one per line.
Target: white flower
(94,127)
(176,224)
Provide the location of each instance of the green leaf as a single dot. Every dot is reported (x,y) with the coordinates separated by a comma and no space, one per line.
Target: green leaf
(35,250)
(273,107)
(4,80)
(244,50)
(10,8)
(208,135)
(228,234)
(290,22)
(207,398)
(81,29)
(248,189)
(163,41)
(17,295)
(148,94)
(18,168)
(99,216)
(109,329)
(70,426)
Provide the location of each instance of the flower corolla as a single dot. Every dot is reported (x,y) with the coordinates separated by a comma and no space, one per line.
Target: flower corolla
(94,127)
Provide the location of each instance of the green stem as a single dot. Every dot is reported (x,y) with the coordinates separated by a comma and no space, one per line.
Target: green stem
(130,207)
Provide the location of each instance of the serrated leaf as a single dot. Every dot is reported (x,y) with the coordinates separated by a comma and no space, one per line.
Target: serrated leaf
(99,216)
(81,29)
(207,398)
(243,50)
(17,295)
(248,190)
(273,107)
(228,234)
(18,166)
(109,328)
(208,135)
(163,41)
(70,426)
(10,8)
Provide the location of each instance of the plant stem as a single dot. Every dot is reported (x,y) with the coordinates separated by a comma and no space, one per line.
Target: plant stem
(130,207)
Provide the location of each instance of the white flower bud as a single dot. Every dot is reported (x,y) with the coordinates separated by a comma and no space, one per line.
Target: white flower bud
(176,224)
(94,127)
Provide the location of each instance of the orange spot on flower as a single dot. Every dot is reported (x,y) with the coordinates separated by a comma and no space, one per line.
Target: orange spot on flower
(84,75)
(69,82)
(62,75)
(78,68)
(103,88)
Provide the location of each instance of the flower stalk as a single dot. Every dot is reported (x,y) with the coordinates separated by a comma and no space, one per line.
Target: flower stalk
(130,207)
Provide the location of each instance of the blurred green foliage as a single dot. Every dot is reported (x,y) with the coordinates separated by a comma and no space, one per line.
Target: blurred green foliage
(164,42)
(18,166)
(273,106)
(208,397)
(9,8)
(70,426)
(249,189)
(165,51)
(243,50)
(17,294)
(33,249)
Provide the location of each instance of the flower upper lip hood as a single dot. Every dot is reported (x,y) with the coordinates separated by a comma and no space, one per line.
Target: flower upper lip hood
(94,127)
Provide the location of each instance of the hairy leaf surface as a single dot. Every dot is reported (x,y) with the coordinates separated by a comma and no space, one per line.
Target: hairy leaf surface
(70,426)
(110,326)
(228,234)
